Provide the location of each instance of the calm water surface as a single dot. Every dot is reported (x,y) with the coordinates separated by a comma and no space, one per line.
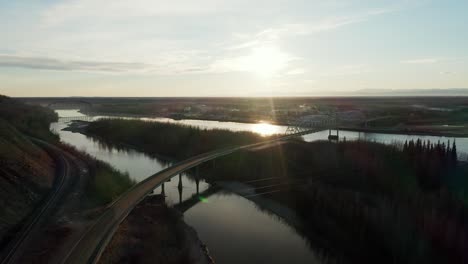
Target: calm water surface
(234,228)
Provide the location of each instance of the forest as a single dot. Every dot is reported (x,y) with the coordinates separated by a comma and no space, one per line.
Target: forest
(165,139)
(31,120)
(365,202)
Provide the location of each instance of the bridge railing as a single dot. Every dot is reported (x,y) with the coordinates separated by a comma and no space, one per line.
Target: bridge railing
(73,118)
(313,125)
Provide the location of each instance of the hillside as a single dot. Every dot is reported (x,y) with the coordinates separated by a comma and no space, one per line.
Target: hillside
(26,171)
(31,120)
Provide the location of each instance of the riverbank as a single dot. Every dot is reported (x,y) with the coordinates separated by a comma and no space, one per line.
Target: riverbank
(79,126)
(155,232)
(420,130)
(168,139)
(406,131)
(185,117)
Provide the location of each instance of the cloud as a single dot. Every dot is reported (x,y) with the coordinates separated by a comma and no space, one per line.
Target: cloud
(166,66)
(296,71)
(276,34)
(347,70)
(447,72)
(178,36)
(263,60)
(70,10)
(71,65)
(421,61)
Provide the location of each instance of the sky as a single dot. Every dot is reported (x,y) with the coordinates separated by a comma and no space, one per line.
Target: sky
(230,48)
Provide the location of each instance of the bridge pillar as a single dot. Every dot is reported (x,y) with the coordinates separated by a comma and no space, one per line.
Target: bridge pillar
(333,137)
(179,188)
(197,182)
(163,192)
(180,181)
(180,195)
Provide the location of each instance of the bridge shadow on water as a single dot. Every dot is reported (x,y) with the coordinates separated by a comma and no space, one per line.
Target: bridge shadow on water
(188,191)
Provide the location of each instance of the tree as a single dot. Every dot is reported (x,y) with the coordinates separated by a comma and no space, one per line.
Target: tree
(454,155)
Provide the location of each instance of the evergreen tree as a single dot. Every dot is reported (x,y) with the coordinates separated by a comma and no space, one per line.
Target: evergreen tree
(454,155)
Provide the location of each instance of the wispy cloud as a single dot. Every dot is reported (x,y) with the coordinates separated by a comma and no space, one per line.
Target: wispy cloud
(296,71)
(421,61)
(266,58)
(447,72)
(345,70)
(164,67)
(274,35)
(71,65)
(70,10)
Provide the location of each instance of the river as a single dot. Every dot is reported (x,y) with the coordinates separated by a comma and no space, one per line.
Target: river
(234,228)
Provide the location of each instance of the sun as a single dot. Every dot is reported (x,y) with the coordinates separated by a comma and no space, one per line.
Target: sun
(266,61)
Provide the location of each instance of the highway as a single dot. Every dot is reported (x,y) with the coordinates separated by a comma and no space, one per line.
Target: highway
(16,249)
(94,241)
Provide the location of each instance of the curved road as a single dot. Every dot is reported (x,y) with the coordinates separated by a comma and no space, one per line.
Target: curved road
(93,242)
(30,230)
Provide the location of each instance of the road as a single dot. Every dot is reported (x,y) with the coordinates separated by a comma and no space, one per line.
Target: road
(93,242)
(32,229)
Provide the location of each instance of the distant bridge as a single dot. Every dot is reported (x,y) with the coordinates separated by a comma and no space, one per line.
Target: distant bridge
(314,123)
(332,122)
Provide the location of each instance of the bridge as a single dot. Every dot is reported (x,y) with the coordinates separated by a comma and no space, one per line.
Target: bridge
(315,123)
(76,118)
(332,122)
(92,243)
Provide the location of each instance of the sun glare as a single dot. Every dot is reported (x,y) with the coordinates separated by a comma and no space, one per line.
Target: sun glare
(265,129)
(266,61)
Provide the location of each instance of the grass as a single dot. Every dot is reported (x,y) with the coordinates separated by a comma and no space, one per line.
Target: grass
(107,183)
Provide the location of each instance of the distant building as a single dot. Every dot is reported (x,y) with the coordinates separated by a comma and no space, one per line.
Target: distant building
(315,120)
(351,116)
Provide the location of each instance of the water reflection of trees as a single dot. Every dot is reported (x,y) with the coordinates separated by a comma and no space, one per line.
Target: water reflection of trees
(109,146)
